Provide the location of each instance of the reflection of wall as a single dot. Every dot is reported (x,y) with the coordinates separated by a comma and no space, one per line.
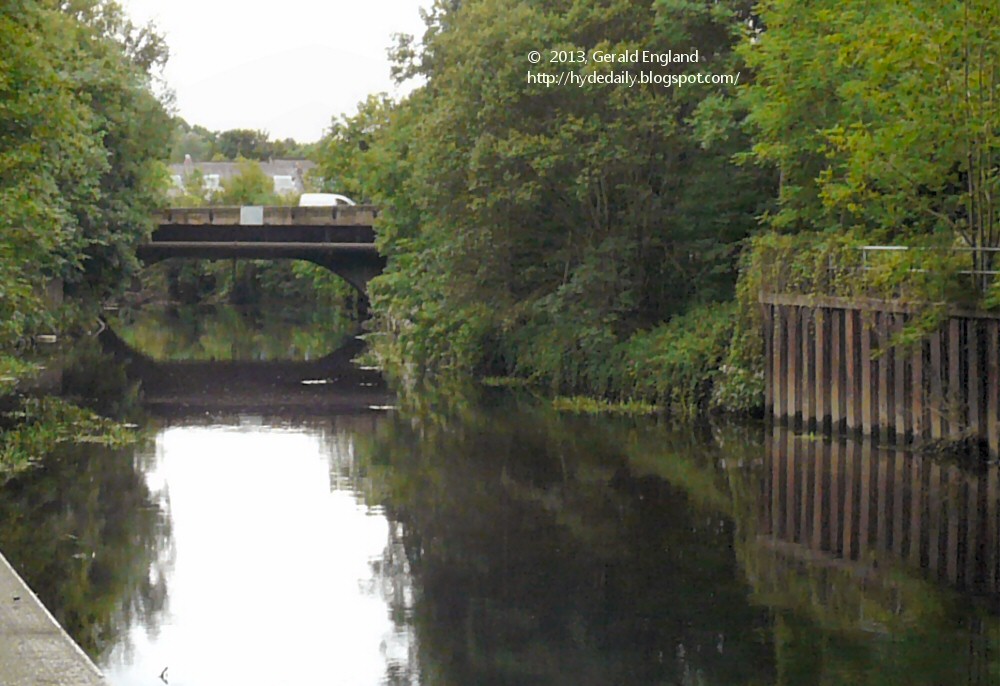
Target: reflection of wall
(849,502)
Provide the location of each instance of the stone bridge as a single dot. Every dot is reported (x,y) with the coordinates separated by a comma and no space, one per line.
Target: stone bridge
(340,238)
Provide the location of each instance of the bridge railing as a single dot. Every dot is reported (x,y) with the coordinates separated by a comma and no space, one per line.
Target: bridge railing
(340,215)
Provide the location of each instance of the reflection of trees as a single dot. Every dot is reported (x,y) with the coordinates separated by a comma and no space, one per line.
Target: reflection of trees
(226,332)
(538,557)
(96,379)
(85,534)
(869,617)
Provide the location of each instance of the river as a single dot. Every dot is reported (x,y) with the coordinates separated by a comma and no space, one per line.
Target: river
(290,521)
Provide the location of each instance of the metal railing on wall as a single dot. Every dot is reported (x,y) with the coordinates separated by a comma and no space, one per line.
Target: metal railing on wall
(982,276)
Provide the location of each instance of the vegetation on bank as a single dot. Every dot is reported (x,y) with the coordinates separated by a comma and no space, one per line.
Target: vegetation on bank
(81,136)
(36,426)
(80,142)
(602,240)
(588,239)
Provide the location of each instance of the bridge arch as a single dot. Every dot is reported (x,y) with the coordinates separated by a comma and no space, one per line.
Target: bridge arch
(340,239)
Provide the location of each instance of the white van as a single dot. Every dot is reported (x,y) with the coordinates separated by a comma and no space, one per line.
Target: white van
(324,200)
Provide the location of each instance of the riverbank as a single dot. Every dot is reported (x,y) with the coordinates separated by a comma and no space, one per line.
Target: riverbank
(34,649)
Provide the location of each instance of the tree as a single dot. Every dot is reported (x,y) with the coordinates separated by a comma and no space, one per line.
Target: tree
(533,227)
(882,117)
(251,187)
(80,137)
(251,144)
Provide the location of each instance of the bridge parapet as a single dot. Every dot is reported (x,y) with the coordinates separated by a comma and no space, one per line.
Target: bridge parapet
(341,238)
(339,215)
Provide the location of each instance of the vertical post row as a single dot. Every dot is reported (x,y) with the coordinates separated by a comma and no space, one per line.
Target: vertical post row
(837,376)
(867,387)
(794,360)
(808,370)
(936,373)
(974,376)
(899,383)
(780,392)
(884,401)
(917,392)
(852,335)
(767,316)
(955,413)
(822,378)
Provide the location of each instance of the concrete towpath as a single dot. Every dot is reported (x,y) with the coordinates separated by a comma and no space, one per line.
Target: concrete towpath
(34,649)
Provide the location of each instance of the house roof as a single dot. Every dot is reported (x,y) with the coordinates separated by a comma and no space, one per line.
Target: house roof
(227,170)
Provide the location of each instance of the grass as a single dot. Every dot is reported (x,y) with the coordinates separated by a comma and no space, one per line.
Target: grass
(579,404)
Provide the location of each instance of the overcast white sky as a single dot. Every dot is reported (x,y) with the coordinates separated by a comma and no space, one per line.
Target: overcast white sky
(284,66)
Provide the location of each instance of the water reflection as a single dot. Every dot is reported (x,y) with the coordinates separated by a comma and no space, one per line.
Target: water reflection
(88,535)
(852,505)
(541,557)
(840,542)
(276,572)
(280,532)
(227,332)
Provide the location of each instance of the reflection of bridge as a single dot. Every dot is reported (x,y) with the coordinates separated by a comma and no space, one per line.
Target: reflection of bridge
(340,238)
(276,388)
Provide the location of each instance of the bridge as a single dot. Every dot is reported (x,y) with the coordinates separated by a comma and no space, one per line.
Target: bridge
(340,238)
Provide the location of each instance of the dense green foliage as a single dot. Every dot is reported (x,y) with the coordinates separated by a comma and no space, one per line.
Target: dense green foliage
(578,236)
(204,145)
(80,137)
(882,117)
(533,230)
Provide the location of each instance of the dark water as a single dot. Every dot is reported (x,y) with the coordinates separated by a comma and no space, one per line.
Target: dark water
(273,531)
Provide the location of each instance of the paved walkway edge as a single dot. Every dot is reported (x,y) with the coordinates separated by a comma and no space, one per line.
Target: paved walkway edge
(34,649)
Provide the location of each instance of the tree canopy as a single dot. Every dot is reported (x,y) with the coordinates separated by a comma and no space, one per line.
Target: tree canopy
(81,133)
(532,228)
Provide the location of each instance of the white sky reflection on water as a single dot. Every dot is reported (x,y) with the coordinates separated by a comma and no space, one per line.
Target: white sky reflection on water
(271,580)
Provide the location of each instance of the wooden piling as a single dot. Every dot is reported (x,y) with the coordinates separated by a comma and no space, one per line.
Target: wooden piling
(899,384)
(833,364)
(767,315)
(869,407)
(883,420)
(808,371)
(917,393)
(794,361)
(837,373)
(852,353)
(974,379)
(821,380)
(937,402)
(779,384)
(954,414)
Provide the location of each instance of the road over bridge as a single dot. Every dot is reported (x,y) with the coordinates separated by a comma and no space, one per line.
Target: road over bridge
(340,238)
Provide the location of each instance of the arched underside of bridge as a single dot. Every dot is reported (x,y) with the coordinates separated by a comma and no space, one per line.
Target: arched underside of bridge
(356,263)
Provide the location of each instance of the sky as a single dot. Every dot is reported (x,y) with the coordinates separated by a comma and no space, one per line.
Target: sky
(283,66)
